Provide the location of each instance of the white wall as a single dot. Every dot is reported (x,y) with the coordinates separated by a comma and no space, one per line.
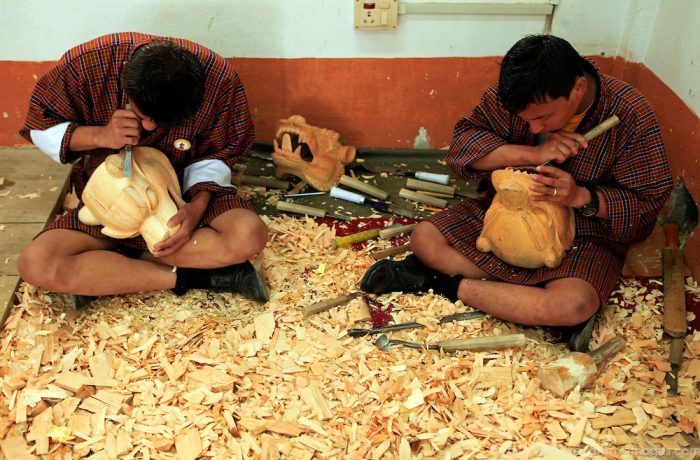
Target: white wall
(662,34)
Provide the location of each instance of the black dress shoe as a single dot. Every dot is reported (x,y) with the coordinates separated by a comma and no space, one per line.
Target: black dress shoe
(82,300)
(578,337)
(241,278)
(408,275)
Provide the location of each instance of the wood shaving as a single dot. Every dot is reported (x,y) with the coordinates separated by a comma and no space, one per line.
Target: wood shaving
(211,375)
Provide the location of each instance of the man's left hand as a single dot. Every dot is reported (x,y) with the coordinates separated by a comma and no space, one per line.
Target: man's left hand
(188,218)
(557,186)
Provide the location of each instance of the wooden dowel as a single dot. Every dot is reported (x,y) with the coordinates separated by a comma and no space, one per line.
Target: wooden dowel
(421,198)
(394,230)
(484,343)
(422,185)
(370,190)
(392,251)
(286,206)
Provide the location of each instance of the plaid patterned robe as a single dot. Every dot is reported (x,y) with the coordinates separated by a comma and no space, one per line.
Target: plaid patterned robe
(627,165)
(84,89)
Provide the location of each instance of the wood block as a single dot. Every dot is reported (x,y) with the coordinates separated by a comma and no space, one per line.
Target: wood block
(188,444)
(70,381)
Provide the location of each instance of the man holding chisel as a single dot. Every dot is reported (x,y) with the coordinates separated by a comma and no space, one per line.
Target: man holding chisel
(547,97)
(130,89)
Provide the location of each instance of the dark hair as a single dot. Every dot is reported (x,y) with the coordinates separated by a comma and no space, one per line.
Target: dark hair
(165,81)
(537,67)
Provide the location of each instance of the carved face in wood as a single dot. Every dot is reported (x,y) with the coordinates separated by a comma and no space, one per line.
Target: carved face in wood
(142,204)
(521,232)
(310,153)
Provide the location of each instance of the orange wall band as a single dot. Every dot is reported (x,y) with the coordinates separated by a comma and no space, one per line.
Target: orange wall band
(383,102)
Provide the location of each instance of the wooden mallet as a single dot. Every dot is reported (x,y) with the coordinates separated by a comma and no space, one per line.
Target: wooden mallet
(582,369)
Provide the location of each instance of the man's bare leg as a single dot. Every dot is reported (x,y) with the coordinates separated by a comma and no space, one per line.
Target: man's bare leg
(562,302)
(73,262)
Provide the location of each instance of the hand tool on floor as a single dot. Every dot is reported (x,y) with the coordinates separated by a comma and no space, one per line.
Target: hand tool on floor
(680,222)
(286,206)
(377,205)
(327,304)
(465,316)
(297,195)
(422,198)
(392,231)
(423,186)
(577,368)
(380,254)
(359,237)
(128,157)
(384,343)
(363,187)
(355,332)
(393,170)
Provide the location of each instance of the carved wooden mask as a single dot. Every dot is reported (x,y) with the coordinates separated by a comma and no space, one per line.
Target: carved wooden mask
(521,232)
(128,206)
(310,153)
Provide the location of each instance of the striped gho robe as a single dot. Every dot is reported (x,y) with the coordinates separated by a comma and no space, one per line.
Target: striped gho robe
(84,88)
(627,165)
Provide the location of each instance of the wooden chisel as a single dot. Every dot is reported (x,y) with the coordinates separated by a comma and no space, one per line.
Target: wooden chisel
(286,206)
(327,304)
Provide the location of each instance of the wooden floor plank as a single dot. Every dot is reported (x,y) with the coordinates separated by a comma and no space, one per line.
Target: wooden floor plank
(8,286)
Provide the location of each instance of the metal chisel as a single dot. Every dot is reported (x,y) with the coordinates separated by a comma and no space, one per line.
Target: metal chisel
(129,155)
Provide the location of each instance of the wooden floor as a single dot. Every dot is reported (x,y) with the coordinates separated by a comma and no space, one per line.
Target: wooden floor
(32,189)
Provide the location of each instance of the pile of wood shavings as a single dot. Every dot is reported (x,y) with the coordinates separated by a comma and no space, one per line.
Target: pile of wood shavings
(216,376)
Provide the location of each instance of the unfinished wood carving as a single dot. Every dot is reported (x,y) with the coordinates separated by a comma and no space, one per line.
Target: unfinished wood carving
(521,232)
(313,154)
(142,204)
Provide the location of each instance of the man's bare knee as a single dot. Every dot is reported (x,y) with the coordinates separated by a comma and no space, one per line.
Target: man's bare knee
(570,310)
(36,266)
(246,242)
(426,240)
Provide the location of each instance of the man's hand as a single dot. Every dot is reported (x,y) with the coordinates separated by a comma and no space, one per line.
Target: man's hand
(560,146)
(123,128)
(557,186)
(188,217)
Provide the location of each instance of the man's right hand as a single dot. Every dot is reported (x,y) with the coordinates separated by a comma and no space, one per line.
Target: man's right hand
(123,128)
(560,146)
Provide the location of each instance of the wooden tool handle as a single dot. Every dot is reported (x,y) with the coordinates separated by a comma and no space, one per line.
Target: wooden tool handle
(370,190)
(608,349)
(394,230)
(484,343)
(392,251)
(601,128)
(263,182)
(675,322)
(358,237)
(415,184)
(300,209)
(421,198)
(327,304)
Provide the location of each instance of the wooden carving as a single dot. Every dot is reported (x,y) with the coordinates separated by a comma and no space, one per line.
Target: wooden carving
(313,154)
(524,233)
(141,204)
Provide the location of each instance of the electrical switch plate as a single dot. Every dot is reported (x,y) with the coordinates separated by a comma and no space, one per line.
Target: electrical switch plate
(376,14)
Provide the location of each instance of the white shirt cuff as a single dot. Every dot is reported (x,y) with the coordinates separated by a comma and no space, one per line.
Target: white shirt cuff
(49,140)
(206,171)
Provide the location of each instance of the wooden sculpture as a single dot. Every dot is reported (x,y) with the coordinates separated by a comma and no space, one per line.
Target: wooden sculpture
(142,204)
(524,233)
(313,154)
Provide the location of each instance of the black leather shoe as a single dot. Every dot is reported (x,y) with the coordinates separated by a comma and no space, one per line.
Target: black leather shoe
(578,337)
(406,275)
(241,278)
(82,300)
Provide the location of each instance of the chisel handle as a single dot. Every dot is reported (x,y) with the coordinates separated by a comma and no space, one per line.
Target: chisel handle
(430,187)
(392,251)
(370,190)
(286,206)
(394,230)
(327,304)
(484,343)
(601,128)
(443,179)
(358,237)
(422,198)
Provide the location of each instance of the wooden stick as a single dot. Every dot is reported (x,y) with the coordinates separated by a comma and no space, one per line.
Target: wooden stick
(380,254)
(363,187)
(602,127)
(675,323)
(286,206)
(327,304)
(394,230)
(358,237)
(261,182)
(484,343)
(421,198)
(422,185)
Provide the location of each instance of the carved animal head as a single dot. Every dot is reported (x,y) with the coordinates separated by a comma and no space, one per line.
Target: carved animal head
(141,204)
(313,154)
(521,232)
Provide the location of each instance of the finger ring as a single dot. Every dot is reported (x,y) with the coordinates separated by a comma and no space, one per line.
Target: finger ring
(555,192)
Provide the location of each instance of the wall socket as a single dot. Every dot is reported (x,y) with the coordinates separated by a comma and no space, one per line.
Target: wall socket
(377,14)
